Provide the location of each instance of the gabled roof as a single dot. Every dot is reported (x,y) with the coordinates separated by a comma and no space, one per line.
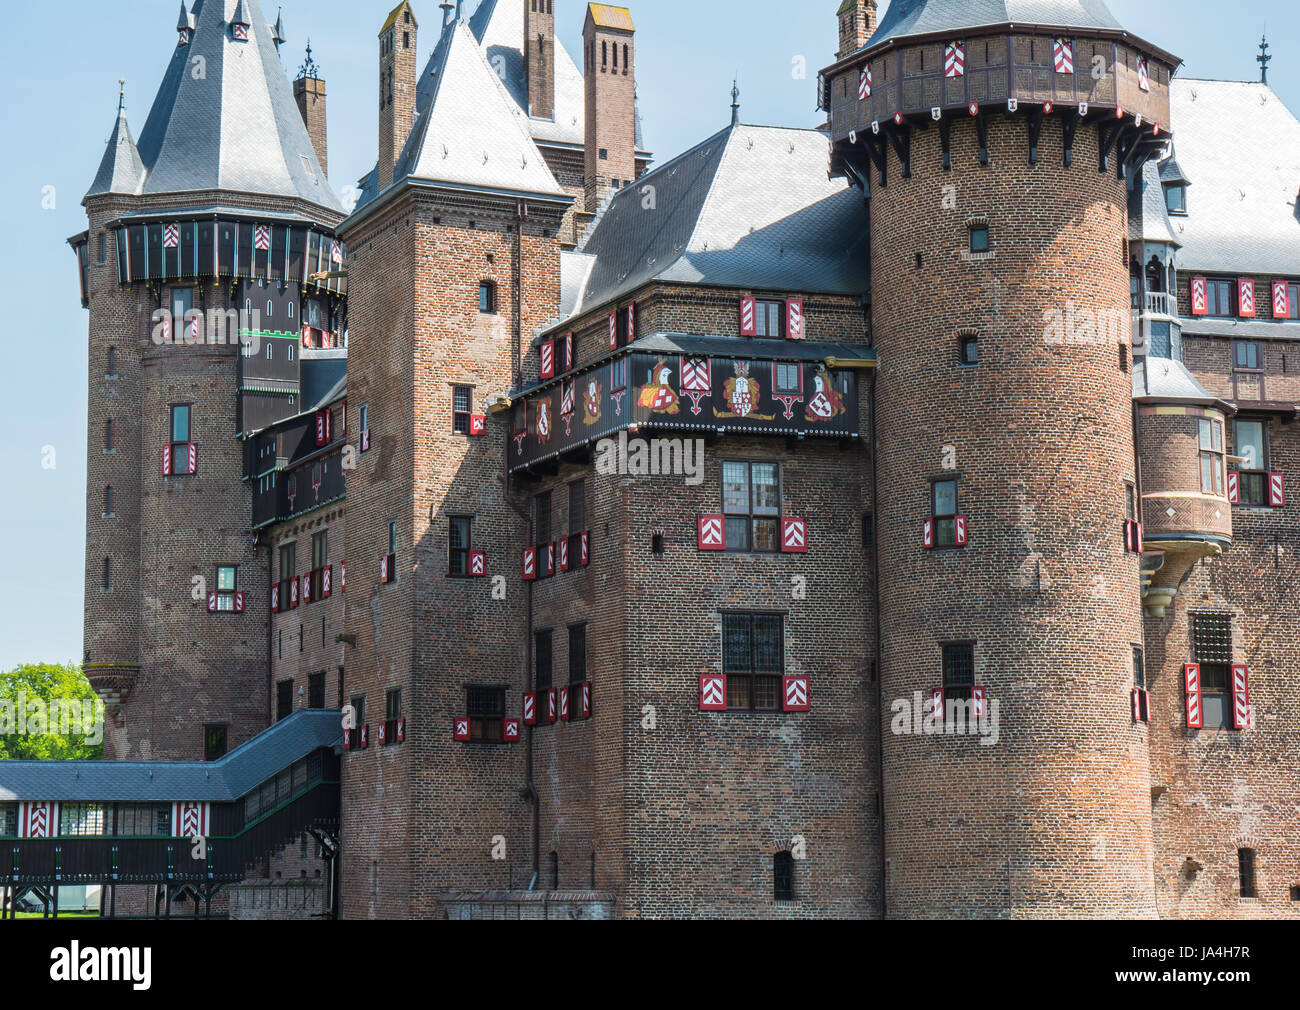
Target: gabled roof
(751,207)
(237,127)
(222,781)
(923,17)
(120,170)
(1239,147)
(470,131)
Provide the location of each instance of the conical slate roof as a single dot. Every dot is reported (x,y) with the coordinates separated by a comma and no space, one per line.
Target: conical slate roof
(922,17)
(121,170)
(470,131)
(225,119)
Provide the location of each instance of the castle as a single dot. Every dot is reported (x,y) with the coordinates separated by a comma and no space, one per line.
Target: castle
(979,602)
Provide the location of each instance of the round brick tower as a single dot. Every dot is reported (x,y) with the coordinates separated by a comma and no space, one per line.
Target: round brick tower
(1004,449)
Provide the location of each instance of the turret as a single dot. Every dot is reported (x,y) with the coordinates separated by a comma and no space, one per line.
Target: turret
(995,162)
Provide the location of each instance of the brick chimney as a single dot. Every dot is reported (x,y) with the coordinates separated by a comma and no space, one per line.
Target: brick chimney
(609,56)
(539,56)
(396,87)
(857,25)
(309,93)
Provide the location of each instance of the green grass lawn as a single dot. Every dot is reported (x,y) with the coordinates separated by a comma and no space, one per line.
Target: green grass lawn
(62,915)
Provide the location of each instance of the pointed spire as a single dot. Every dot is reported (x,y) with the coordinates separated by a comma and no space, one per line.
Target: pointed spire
(446,7)
(120,170)
(277,32)
(735,104)
(310,68)
(1263,59)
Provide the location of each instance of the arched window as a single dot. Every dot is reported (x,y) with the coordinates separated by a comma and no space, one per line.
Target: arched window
(1155,276)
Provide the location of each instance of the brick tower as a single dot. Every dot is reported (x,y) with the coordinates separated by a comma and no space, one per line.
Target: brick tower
(995,160)
(397,51)
(609,47)
(176,602)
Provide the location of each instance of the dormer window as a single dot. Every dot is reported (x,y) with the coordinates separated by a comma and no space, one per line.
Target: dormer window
(185,36)
(1176,198)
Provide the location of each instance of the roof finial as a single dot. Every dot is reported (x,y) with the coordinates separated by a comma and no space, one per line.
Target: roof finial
(309,67)
(277,31)
(121,95)
(447,7)
(735,104)
(1263,58)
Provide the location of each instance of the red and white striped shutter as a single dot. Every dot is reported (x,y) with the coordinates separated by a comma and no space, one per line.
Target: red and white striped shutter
(1128,536)
(1246,298)
(365,440)
(550,559)
(979,700)
(564,554)
(794,319)
(1144,75)
(363,735)
(548,359)
(613,330)
(39,819)
(1241,697)
(343,576)
(193,466)
(1281,300)
(326,582)
(511,731)
(1137,538)
(400,733)
(320,429)
(212,603)
(631,322)
(954,59)
(550,705)
(1137,712)
(239,602)
(1063,56)
(293,593)
(306,588)
(347,740)
(477,564)
(713,692)
(530,564)
(1234,487)
(960,526)
(927,534)
(864,83)
(794,536)
(796,693)
(383,568)
(1277,490)
(568,352)
(382,738)
(275,599)
(190,820)
(585,700)
(460,730)
(167,461)
(1200,297)
(584,547)
(748,317)
(564,704)
(936,703)
(1192,686)
(530,709)
(712,533)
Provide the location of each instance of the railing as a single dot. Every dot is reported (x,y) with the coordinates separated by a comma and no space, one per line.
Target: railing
(90,860)
(1158,303)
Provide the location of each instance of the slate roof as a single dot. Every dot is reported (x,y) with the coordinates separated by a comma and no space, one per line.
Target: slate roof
(1239,147)
(923,17)
(120,170)
(222,781)
(1167,380)
(1151,222)
(751,207)
(237,128)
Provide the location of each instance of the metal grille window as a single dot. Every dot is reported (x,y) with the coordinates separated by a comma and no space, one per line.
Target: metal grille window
(81,819)
(8,820)
(542,648)
(578,654)
(753,658)
(214,742)
(1212,644)
(958,671)
(486,708)
(1212,460)
(227,577)
(462,407)
(136,820)
(751,502)
(460,529)
(1139,669)
(787,377)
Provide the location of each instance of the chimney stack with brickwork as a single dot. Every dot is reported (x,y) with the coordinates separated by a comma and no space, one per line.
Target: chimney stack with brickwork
(609,58)
(857,25)
(539,56)
(309,93)
(396,88)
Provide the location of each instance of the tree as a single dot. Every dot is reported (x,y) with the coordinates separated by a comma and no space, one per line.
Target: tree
(49,712)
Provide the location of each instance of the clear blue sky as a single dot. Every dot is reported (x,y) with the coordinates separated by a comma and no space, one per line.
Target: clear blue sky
(59,82)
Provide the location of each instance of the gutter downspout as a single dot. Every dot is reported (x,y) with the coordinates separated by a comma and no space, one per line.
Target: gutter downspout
(880,671)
